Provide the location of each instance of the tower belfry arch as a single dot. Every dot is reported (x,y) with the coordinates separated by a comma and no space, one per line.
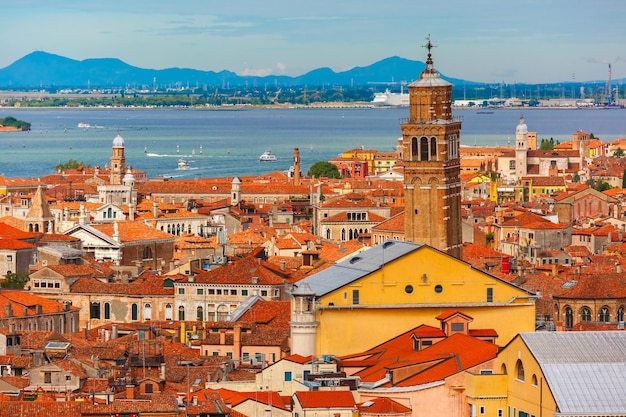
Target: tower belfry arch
(432,166)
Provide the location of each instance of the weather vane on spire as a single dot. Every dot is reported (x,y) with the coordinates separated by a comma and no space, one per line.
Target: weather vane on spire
(428,46)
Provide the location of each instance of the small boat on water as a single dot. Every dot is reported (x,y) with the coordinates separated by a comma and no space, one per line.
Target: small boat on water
(183,165)
(268,156)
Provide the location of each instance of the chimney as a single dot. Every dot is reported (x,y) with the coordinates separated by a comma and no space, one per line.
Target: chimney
(113,331)
(222,337)
(155,210)
(8,310)
(283,266)
(618,267)
(130,392)
(296,166)
(131,212)
(237,341)
(163,371)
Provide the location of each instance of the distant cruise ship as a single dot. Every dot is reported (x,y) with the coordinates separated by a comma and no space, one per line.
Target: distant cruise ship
(391,99)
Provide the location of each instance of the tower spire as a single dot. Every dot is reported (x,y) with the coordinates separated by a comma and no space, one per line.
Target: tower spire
(429,60)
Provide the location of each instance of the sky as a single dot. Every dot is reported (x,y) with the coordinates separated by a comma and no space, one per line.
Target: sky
(530,41)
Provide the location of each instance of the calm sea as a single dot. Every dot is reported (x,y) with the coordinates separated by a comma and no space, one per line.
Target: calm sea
(221,143)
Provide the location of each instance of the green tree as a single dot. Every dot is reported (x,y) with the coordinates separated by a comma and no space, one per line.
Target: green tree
(324,169)
(547,145)
(602,185)
(618,153)
(624,179)
(15,281)
(576,177)
(71,164)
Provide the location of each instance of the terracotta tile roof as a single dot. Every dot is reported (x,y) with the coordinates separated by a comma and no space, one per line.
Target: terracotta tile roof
(25,304)
(243,271)
(10,232)
(14,244)
(382,406)
(132,231)
(16,381)
(439,361)
(150,285)
(41,409)
(393,224)
(159,403)
(325,399)
(271,398)
(298,358)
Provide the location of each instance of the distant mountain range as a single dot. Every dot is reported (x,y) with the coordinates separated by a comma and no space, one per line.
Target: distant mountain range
(44,70)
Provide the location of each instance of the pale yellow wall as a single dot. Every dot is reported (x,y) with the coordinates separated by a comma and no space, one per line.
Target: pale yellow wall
(524,395)
(385,309)
(487,391)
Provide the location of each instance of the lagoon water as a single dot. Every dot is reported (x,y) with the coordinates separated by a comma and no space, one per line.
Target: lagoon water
(224,143)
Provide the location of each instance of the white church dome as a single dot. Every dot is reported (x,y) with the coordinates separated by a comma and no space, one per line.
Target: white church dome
(521,127)
(118,142)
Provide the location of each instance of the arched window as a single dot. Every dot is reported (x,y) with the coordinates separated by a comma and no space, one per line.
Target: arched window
(181,313)
(503,370)
(343,234)
(534,380)
(222,313)
(107,311)
(134,312)
(147,252)
(433,148)
(147,312)
(519,370)
(414,149)
(569,317)
(168,312)
(199,314)
(585,314)
(327,233)
(604,315)
(620,313)
(424,149)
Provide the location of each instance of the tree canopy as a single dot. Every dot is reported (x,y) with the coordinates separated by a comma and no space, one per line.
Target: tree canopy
(71,164)
(324,169)
(15,281)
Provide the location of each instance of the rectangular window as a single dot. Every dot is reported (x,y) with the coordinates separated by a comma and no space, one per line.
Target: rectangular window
(490,295)
(94,310)
(482,409)
(263,293)
(244,293)
(355,297)
(233,292)
(47,377)
(68,377)
(200,291)
(9,258)
(287,376)
(457,327)
(500,413)
(246,356)
(211,291)
(181,291)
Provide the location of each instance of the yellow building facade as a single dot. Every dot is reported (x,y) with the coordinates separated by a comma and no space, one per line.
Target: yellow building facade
(553,373)
(395,286)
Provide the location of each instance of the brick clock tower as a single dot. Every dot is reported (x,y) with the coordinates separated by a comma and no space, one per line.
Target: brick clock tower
(432,183)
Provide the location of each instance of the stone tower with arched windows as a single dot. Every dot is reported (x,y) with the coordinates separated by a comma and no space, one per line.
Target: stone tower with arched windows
(118,161)
(432,183)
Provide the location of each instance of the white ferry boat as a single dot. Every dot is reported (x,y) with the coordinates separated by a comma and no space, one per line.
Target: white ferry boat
(391,99)
(183,165)
(268,156)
